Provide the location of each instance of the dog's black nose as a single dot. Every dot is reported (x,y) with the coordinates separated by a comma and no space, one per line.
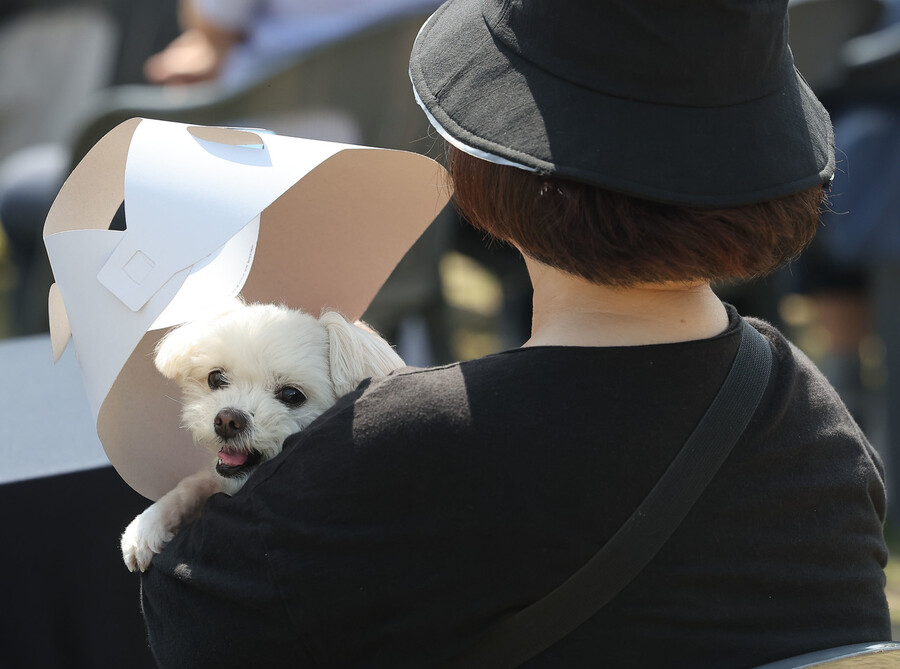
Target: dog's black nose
(229,423)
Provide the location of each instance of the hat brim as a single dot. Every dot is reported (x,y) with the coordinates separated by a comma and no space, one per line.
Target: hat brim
(487,99)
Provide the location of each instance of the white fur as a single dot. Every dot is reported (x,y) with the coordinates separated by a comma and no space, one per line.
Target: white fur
(260,349)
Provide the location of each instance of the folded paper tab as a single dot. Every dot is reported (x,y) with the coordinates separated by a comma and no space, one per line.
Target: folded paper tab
(212,213)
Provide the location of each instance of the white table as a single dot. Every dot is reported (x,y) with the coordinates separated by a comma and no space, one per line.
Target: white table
(47,425)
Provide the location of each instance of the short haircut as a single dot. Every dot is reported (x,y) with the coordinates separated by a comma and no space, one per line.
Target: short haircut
(618,240)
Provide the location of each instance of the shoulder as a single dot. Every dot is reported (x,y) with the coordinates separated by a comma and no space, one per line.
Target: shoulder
(435,396)
(798,379)
(804,430)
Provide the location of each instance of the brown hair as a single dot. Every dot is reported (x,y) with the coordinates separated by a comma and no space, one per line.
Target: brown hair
(619,240)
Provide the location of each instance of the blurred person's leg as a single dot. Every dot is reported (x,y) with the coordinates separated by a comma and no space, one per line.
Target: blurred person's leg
(886,288)
(29,182)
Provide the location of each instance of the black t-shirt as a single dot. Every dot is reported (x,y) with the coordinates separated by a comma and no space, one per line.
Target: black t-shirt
(429,505)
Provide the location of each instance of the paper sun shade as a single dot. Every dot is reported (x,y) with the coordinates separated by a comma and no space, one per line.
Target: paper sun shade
(212,213)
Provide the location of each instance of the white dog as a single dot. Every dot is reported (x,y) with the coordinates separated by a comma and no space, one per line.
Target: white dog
(250,377)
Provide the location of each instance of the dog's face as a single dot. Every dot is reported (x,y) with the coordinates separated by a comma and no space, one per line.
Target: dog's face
(254,375)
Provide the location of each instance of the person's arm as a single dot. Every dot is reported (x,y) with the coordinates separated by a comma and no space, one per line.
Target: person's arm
(209,600)
(199,52)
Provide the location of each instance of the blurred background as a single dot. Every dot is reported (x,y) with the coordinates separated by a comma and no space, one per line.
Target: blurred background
(70,70)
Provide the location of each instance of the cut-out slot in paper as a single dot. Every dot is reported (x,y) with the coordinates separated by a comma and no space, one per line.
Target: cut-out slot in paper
(213,212)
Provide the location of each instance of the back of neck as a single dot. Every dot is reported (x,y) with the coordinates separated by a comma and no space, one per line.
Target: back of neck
(570,311)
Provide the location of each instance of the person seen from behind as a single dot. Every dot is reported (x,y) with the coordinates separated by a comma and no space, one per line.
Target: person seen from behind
(634,152)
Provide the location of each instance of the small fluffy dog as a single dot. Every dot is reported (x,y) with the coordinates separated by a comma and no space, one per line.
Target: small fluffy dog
(250,377)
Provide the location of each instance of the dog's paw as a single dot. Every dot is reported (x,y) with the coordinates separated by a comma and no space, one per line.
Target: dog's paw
(144,537)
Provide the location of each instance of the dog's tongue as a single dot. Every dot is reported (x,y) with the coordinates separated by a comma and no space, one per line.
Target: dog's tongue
(232,459)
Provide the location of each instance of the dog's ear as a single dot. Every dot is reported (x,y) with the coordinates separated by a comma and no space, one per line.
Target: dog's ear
(175,350)
(355,352)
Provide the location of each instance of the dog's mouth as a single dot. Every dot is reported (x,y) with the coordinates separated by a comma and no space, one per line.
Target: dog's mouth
(234,462)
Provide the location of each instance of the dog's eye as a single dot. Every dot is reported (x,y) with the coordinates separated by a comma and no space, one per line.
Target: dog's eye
(216,379)
(291,396)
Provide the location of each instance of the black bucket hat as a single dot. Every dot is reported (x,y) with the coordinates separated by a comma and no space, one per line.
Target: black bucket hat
(672,100)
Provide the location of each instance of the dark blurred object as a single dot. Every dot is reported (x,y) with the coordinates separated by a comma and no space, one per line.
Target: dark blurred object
(145,26)
(68,599)
(848,50)
(820,29)
(11,8)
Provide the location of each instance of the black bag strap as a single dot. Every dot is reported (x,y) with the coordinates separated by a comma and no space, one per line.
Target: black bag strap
(538,626)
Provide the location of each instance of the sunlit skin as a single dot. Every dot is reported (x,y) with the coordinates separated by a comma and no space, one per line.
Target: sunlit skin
(196,55)
(571,311)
